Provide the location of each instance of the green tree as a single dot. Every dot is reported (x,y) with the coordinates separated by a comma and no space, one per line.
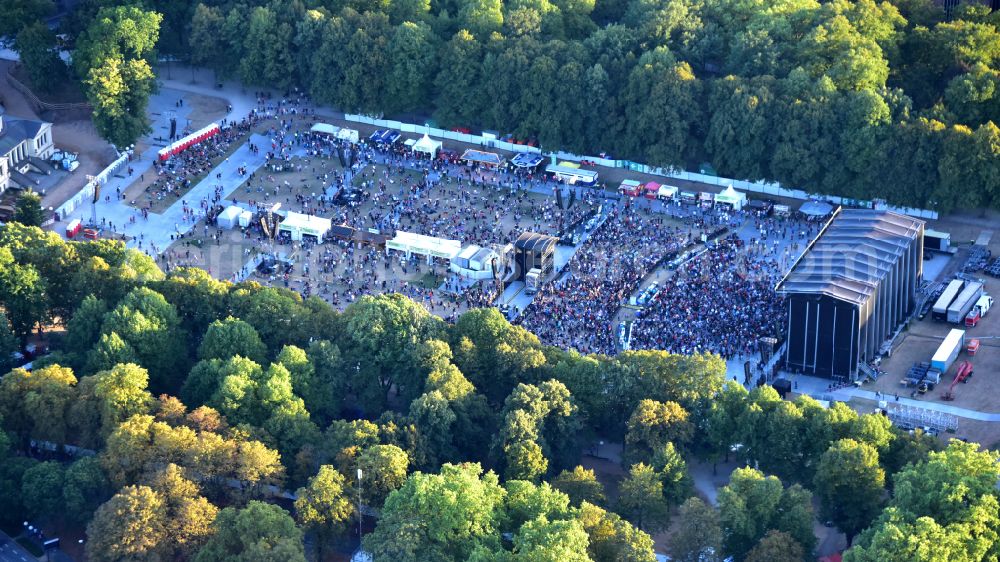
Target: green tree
(850,484)
(259,532)
(323,505)
(84,328)
(23,294)
(776,547)
(122,393)
(19,14)
(443,516)
(42,489)
(189,516)
(412,66)
(612,538)
(85,487)
(947,483)
(8,345)
(698,536)
(458,99)
(752,504)
(34,404)
(36,46)
(384,470)
(130,526)
(116,72)
(481,17)
(653,425)
(206,38)
(641,498)
(581,485)
(229,337)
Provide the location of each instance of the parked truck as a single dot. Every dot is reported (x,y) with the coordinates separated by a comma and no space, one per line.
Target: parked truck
(983,305)
(948,350)
(940,310)
(964,302)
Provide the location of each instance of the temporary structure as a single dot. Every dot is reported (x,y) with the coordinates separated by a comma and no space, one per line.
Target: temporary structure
(229,217)
(298,224)
(325,128)
(349,135)
(427,145)
(730,196)
(652,189)
(411,243)
(479,157)
(183,144)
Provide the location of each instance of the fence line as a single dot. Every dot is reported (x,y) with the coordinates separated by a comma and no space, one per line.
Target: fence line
(761,187)
(86,193)
(38,104)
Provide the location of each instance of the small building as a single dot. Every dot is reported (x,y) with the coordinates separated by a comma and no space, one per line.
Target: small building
(25,145)
(535,251)
(298,225)
(474,262)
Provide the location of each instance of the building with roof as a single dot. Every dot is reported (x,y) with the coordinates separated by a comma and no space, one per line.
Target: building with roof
(533,250)
(25,144)
(849,291)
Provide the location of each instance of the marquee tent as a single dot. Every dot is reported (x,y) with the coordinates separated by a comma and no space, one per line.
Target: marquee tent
(730,196)
(480,157)
(229,218)
(350,135)
(816,208)
(298,224)
(325,128)
(411,243)
(527,160)
(427,145)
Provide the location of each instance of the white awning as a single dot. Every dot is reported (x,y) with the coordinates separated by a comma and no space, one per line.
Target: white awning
(297,224)
(325,128)
(412,243)
(427,145)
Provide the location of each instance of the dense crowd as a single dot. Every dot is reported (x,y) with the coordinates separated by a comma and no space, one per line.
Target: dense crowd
(579,308)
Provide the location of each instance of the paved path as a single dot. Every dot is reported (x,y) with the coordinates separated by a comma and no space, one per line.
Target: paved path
(817,387)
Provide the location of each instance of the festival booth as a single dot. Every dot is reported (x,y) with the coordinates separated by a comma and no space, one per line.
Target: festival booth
(706,199)
(652,189)
(731,197)
(229,218)
(298,225)
(427,146)
(474,262)
(572,175)
(471,157)
(183,144)
(632,188)
(349,135)
(411,243)
(815,210)
(526,160)
(667,193)
(325,129)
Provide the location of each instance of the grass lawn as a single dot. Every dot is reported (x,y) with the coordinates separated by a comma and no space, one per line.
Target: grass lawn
(429,281)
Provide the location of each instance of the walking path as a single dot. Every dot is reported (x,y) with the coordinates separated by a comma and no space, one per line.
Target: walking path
(818,388)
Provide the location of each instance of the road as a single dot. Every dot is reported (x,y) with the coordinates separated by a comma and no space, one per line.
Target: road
(10,551)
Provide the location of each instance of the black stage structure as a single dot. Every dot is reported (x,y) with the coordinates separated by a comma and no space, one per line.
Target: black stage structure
(850,290)
(533,250)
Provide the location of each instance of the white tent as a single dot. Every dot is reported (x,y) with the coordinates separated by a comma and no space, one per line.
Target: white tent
(229,217)
(350,135)
(427,145)
(411,243)
(325,128)
(297,224)
(730,196)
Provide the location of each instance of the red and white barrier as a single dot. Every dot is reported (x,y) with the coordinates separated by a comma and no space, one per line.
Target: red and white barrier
(194,138)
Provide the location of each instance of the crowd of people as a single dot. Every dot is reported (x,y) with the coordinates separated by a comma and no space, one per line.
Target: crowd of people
(721,301)
(579,308)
